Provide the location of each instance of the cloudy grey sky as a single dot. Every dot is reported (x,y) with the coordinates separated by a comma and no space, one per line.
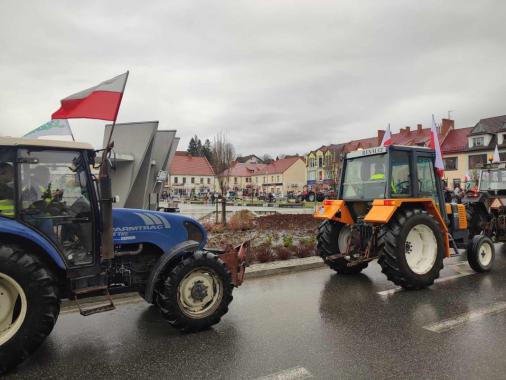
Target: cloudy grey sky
(277,76)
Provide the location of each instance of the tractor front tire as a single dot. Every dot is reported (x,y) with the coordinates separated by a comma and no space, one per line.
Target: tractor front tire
(328,245)
(29,304)
(481,253)
(196,293)
(411,249)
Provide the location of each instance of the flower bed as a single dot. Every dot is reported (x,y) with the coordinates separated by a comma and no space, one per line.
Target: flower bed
(274,237)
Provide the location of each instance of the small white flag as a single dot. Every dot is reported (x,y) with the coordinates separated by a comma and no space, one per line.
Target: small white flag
(387,137)
(496,157)
(58,127)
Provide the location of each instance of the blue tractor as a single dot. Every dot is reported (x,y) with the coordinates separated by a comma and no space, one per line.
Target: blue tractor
(61,238)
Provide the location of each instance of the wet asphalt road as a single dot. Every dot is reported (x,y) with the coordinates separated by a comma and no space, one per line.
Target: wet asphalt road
(335,327)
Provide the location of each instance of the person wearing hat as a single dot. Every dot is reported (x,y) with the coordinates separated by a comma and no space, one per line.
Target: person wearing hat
(7,206)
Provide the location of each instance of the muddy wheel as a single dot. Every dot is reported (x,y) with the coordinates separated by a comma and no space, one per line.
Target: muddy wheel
(481,253)
(332,239)
(411,249)
(196,293)
(29,304)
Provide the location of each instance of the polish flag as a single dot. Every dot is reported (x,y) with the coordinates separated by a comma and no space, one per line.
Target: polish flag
(98,102)
(387,137)
(434,144)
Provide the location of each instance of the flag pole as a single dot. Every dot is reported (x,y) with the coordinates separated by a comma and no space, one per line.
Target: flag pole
(70,129)
(106,198)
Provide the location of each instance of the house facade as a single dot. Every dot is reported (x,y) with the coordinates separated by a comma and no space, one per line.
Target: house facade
(281,176)
(189,175)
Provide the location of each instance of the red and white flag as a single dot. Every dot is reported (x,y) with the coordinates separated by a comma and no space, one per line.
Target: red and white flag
(98,102)
(434,144)
(387,137)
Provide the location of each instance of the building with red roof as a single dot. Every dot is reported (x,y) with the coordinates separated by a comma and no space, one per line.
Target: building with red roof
(281,176)
(190,175)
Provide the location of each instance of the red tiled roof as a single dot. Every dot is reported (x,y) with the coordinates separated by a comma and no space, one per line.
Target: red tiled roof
(492,124)
(245,170)
(280,166)
(185,164)
(456,141)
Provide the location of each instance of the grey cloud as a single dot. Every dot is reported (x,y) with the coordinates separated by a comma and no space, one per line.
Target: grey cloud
(278,76)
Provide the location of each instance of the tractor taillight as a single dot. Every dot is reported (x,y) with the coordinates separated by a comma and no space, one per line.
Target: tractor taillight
(327,202)
(388,202)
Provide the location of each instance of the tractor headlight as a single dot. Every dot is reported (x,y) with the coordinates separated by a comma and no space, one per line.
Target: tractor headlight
(194,232)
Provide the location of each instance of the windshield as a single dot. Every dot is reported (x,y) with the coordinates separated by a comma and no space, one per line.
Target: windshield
(365,177)
(492,180)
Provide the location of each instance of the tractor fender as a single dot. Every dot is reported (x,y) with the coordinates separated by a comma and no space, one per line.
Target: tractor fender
(334,210)
(20,231)
(163,261)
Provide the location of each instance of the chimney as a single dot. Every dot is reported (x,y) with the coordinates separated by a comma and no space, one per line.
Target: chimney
(446,126)
(419,128)
(408,130)
(381,133)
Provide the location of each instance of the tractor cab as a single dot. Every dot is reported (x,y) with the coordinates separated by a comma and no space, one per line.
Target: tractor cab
(47,188)
(393,172)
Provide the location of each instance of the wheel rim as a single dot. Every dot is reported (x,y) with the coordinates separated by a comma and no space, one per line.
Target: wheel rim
(200,293)
(343,238)
(421,249)
(13,306)
(485,254)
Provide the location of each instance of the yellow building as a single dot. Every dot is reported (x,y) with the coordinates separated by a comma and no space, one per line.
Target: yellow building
(281,177)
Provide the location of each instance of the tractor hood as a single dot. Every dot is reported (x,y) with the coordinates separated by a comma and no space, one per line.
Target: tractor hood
(133,226)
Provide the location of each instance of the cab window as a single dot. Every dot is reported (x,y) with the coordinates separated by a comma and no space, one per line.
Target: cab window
(7,198)
(400,183)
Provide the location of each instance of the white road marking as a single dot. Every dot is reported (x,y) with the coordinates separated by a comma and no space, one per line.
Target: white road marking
(462,273)
(451,323)
(288,374)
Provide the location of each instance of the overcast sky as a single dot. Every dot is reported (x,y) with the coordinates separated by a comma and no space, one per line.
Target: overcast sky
(276,76)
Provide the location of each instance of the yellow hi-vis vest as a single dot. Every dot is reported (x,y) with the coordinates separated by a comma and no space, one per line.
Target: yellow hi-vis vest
(379,176)
(7,207)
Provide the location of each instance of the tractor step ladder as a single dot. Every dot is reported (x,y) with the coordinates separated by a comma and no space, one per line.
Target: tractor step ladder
(101,307)
(453,245)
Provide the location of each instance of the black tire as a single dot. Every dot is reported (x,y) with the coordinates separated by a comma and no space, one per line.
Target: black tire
(310,197)
(481,253)
(476,216)
(320,197)
(392,249)
(328,233)
(42,303)
(169,300)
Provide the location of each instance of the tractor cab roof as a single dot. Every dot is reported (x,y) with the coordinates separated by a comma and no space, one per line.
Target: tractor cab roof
(17,141)
(385,149)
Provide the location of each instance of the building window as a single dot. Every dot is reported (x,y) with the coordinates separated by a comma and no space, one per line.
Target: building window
(477,160)
(451,163)
(175,179)
(201,180)
(209,181)
(478,141)
(193,180)
(235,180)
(272,179)
(184,180)
(320,162)
(277,179)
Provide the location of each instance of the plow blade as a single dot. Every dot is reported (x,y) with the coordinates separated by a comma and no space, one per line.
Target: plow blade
(235,260)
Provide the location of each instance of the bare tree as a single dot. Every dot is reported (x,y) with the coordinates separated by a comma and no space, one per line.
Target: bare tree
(223,153)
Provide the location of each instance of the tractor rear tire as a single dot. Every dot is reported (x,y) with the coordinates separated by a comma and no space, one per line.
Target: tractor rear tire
(328,244)
(29,304)
(196,293)
(481,253)
(476,216)
(411,249)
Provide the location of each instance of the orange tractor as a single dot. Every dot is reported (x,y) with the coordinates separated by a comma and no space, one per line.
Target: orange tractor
(391,208)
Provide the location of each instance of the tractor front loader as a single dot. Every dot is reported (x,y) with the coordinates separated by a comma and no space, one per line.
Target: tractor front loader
(391,208)
(60,238)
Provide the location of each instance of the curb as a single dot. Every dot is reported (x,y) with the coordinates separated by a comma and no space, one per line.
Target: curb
(252,272)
